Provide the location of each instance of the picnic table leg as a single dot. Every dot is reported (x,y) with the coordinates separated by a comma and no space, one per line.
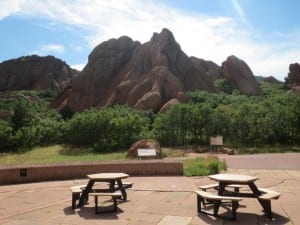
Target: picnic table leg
(75,197)
(266,204)
(254,189)
(199,200)
(112,186)
(216,207)
(123,191)
(221,188)
(235,205)
(85,193)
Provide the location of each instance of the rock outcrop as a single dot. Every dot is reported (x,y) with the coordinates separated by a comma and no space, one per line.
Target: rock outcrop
(211,69)
(35,73)
(143,76)
(144,144)
(294,77)
(240,76)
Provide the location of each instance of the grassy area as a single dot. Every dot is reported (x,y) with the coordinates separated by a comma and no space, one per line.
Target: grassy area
(57,154)
(203,166)
(60,154)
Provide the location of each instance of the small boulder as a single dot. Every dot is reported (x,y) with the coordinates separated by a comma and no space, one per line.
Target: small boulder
(151,144)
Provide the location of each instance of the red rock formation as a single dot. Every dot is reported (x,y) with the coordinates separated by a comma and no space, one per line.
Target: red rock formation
(35,73)
(154,75)
(168,104)
(211,69)
(294,77)
(240,76)
(101,76)
(142,76)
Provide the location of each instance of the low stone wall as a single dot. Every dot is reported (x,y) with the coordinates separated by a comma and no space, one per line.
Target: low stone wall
(24,174)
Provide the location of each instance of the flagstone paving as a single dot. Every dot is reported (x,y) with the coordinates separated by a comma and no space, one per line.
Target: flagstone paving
(152,200)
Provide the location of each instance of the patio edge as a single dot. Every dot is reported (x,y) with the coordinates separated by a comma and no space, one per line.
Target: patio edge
(37,173)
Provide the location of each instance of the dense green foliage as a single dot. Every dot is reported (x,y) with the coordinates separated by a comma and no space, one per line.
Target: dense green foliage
(242,120)
(27,121)
(272,118)
(110,128)
(269,119)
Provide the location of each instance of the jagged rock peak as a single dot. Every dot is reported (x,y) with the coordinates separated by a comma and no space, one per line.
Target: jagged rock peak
(163,37)
(113,44)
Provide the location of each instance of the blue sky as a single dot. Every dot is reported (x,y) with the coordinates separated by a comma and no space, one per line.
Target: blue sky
(264,33)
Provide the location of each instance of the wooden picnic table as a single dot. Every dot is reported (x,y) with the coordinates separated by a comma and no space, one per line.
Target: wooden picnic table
(114,180)
(225,179)
(239,179)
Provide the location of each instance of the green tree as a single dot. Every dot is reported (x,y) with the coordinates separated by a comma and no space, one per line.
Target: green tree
(20,116)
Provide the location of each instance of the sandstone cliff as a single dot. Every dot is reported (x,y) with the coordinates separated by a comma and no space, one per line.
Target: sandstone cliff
(35,73)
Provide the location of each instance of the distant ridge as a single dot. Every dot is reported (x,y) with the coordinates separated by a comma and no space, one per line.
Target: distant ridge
(35,73)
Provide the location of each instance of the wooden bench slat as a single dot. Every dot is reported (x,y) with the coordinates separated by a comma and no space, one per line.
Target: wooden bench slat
(268,194)
(112,194)
(213,196)
(211,186)
(208,186)
(77,189)
(216,200)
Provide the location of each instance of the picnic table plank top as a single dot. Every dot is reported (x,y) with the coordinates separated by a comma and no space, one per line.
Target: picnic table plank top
(107,176)
(234,178)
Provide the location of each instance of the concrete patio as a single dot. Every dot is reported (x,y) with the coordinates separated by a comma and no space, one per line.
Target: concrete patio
(152,200)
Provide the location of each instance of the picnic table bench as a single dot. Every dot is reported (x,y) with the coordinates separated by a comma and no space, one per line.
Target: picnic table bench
(263,195)
(76,192)
(114,196)
(204,198)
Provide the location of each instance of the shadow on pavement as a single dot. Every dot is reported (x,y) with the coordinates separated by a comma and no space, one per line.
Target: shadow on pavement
(245,219)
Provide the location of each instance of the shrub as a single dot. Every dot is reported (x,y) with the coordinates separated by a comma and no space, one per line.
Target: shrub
(5,136)
(203,166)
(106,129)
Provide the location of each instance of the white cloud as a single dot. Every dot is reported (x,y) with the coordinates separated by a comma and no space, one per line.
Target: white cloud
(8,7)
(212,38)
(53,48)
(49,49)
(240,11)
